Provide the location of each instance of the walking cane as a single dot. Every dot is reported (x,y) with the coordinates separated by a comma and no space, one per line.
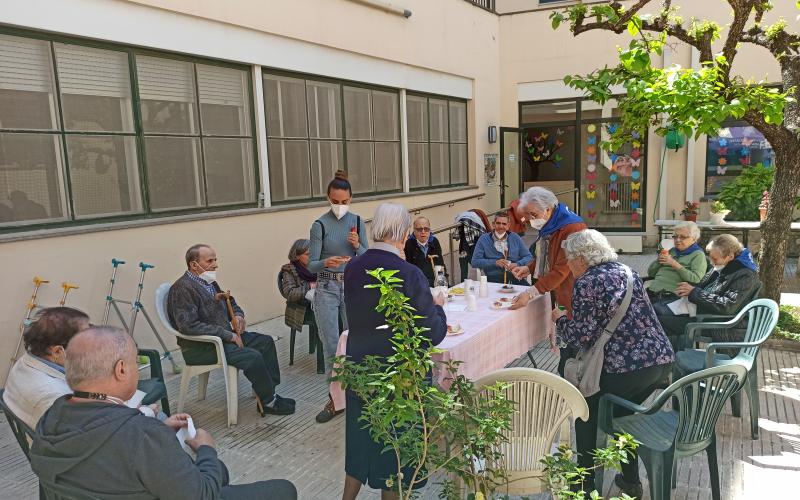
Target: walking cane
(433,266)
(231,314)
(37,282)
(109,296)
(67,287)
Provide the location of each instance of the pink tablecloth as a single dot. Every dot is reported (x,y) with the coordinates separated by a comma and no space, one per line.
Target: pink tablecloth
(491,339)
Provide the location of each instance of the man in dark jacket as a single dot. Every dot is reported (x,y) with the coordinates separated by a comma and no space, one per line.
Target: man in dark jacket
(194,308)
(91,442)
(423,249)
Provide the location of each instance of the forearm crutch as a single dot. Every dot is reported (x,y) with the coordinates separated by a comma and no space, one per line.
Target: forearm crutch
(29,308)
(67,287)
(115,263)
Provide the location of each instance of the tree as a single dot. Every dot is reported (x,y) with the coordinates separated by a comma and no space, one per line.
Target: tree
(697,101)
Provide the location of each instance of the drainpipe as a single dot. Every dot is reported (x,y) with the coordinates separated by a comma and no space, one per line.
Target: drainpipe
(691,143)
(387,6)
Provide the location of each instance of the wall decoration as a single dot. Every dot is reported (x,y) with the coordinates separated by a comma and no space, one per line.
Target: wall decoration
(733,148)
(543,147)
(490,168)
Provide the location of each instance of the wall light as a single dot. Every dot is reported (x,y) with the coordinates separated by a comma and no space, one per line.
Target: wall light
(492,134)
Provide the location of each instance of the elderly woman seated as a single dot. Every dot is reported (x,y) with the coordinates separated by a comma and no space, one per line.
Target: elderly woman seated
(685,262)
(296,282)
(638,355)
(725,290)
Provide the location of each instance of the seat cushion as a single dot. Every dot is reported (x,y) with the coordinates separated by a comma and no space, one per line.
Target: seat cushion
(656,431)
(155,389)
(694,360)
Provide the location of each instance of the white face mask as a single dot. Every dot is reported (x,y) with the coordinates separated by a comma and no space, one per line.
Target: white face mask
(500,235)
(719,268)
(339,210)
(538,223)
(207,276)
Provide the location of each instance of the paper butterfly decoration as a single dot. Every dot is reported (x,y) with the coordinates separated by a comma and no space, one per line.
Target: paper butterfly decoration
(635,186)
(591,158)
(613,203)
(746,141)
(591,150)
(590,205)
(591,215)
(590,194)
(634,205)
(722,161)
(745,160)
(591,187)
(591,128)
(613,186)
(722,143)
(612,177)
(744,151)
(635,153)
(722,151)
(636,163)
(634,216)
(635,195)
(544,135)
(635,175)
(636,144)
(592,139)
(612,195)
(591,167)
(591,176)
(613,157)
(559,131)
(612,128)
(559,143)
(537,157)
(635,135)
(721,170)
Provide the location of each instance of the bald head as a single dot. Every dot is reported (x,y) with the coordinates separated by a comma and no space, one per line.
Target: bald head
(101,359)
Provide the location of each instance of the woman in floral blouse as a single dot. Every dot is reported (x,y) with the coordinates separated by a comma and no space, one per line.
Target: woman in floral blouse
(637,356)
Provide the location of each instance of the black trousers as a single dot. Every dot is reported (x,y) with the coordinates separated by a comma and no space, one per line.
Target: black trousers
(634,386)
(273,489)
(258,359)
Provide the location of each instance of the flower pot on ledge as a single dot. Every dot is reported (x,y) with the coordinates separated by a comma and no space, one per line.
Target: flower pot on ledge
(690,217)
(718,218)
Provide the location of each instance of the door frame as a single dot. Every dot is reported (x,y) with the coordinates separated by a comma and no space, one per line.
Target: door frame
(503,186)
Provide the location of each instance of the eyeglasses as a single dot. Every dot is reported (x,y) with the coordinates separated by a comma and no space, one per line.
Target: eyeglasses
(423,229)
(680,237)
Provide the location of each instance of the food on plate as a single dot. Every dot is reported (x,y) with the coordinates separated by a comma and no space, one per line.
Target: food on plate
(453,329)
(505,299)
(503,303)
(457,290)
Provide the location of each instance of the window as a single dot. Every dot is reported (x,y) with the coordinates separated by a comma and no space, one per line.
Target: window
(437,141)
(315,128)
(82,127)
(735,147)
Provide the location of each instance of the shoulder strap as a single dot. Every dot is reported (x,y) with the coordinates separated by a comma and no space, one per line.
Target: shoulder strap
(358,223)
(322,227)
(612,325)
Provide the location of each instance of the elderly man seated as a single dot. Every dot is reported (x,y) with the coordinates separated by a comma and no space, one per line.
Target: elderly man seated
(423,249)
(90,441)
(500,251)
(195,308)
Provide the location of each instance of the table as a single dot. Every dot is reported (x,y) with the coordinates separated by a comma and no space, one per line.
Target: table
(741,227)
(491,339)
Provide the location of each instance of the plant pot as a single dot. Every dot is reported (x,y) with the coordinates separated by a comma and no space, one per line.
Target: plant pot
(762,213)
(718,218)
(690,217)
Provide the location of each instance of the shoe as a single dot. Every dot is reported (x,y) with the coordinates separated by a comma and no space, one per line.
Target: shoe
(328,412)
(280,407)
(288,400)
(630,489)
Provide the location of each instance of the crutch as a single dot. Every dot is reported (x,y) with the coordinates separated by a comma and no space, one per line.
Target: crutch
(115,263)
(29,308)
(137,307)
(67,287)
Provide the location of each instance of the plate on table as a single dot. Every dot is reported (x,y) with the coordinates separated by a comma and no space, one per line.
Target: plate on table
(502,303)
(454,329)
(507,289)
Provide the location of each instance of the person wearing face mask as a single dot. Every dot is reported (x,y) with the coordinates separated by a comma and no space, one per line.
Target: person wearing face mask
(500,251)
(336,237)
(194,309)
(298,286)
(725,290)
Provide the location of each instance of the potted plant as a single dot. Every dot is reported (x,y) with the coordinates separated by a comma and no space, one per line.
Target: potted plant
(689,211)
(763,206)
(718,211)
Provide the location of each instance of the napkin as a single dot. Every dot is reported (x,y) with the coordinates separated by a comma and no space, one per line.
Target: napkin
(184,433)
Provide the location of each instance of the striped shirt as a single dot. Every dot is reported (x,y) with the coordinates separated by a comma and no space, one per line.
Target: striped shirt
(197,279)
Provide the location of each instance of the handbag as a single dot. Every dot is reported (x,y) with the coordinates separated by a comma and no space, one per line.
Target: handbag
(584,370)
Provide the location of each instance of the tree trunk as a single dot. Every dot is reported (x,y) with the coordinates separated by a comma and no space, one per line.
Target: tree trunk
(775,230)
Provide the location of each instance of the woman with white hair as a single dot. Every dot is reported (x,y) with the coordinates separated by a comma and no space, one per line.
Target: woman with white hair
(365,460)
(638,354)
(685,262)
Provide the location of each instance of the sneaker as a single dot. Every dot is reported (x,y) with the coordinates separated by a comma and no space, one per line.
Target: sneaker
(288,400)
(630,489)
(328,412)
(279,407)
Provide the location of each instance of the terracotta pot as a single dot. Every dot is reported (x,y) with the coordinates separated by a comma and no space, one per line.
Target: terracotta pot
(690,217)
(762,212)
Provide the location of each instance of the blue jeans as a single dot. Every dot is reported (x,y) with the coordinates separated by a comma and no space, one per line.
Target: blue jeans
(328,309)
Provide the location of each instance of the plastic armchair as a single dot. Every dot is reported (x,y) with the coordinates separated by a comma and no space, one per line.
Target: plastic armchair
(22,432)
(154,386)
(667,435)
(706,318)
(544,404)
(230,373)
(762,317)
(314,342)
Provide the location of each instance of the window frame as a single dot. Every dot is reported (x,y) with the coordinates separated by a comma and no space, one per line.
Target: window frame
(69,219)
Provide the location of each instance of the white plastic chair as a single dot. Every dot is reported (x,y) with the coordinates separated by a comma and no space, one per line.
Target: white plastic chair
(544,404)
(201,371)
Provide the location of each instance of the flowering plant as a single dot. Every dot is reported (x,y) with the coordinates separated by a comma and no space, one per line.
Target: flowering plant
(690,208)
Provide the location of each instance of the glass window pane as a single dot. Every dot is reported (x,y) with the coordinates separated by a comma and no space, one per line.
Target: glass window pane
(26,84)
(384,116)
(549,112)
(224,100)
(733,149)
(285,100)
(418,169)
(104,176)
(229,170)
(289,177)
(360,169)
(438,120)
(417,117)
(458,122)
(324,110)
(440,164)
(387,166)
(31,179)
(357,113)
(95,89)
(326,158)
(458,164)
(174,179)
(167,95)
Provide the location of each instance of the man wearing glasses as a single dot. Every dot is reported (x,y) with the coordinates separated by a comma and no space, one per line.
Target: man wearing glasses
(423,249)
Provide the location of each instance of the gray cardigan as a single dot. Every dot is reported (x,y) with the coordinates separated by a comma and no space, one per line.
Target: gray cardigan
(193,311)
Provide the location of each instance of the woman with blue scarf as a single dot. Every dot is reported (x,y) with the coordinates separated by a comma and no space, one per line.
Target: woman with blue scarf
(684,263)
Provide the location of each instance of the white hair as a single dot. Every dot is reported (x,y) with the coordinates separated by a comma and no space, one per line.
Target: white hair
(590,245)
(109,345)
(694,231)
(391,222)
(726,244)
(541,198)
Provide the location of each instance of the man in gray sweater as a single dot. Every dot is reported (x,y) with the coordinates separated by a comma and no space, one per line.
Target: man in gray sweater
(91,443)
(194,309)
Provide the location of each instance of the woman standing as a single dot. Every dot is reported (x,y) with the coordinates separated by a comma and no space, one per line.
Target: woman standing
(638,354)
(365,460)
(336,237)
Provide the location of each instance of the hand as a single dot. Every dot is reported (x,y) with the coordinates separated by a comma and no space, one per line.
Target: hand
(439,299)
(177,421)
(553,345)
(352,237)
(557,313)
(521,272)
(239,323)
(502,263)
(667,260)
(237,340)
(202,438)
(683,289)
(520,301)
(313,284)
(335,261)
